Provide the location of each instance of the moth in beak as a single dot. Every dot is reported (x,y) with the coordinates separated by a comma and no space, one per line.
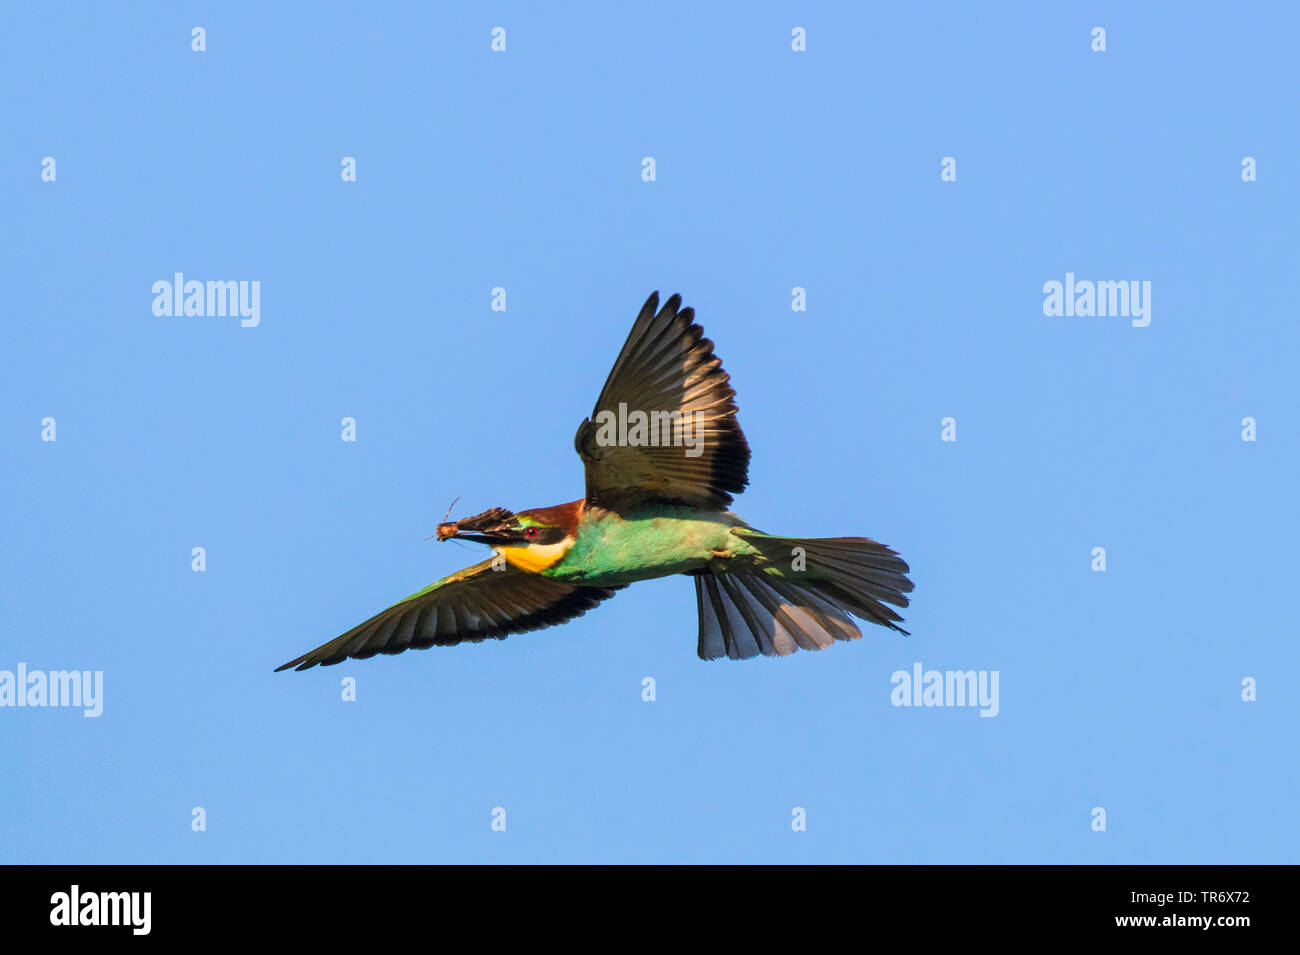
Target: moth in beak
(494,526)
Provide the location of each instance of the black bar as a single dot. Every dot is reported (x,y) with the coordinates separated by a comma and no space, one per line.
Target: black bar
(976,903)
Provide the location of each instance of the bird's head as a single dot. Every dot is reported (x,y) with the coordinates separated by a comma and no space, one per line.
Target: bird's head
(531,540)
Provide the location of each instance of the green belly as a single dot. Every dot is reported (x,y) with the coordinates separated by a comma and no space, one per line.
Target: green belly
(612,549)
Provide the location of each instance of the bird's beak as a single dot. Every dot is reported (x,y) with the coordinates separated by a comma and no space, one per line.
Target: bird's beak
(452,529)
(494,526)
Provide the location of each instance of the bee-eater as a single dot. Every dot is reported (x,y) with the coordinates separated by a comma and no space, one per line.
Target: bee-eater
(663,454)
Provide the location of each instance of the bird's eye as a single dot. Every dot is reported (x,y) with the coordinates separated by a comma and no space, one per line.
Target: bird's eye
(530,532)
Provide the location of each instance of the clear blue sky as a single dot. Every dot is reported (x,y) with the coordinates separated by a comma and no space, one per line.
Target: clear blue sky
(775,169)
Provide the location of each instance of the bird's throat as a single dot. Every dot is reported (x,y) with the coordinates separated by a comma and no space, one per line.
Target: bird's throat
(535,558)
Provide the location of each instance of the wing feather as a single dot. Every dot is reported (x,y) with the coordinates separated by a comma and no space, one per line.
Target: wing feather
(473,604)
(666,365)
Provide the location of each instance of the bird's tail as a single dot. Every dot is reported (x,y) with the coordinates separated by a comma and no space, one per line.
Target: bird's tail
(800,596)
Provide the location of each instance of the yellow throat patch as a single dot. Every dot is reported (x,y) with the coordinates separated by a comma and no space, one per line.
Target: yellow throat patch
(535,558)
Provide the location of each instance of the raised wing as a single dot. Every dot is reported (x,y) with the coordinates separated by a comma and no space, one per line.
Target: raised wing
(473,604)
(667,366)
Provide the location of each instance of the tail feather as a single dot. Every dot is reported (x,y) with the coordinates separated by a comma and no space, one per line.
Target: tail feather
(747,613)
(801,597)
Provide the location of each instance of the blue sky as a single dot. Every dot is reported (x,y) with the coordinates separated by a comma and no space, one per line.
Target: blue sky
(775,169)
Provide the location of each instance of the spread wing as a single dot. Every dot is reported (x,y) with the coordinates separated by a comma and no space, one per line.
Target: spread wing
(472,604)
(667,365)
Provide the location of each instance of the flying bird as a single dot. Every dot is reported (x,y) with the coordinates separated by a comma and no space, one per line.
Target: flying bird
(663,454)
